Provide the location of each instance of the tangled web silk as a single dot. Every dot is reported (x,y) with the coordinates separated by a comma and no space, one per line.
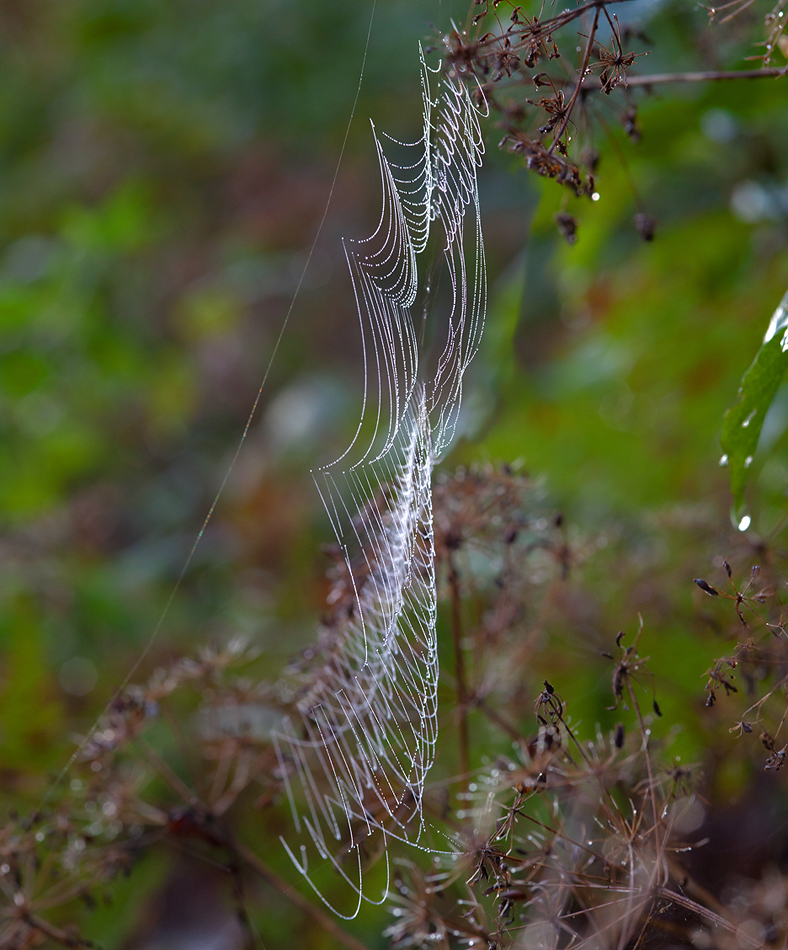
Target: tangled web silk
(355,756)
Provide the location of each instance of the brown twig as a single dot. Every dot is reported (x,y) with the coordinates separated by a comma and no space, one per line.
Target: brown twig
(164,770)
(560,20)
(703,912)
(62,937)
(483,706)
(651,783)
(583,68)
(459,670)
(661,79)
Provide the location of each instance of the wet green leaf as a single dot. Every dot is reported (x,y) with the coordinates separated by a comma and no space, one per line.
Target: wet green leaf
(742,423)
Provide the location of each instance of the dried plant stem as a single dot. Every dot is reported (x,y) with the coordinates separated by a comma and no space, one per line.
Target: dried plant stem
(584,66)
(661,79)
(243,777)
(297,898)
(562,19)
(63,937)
(763,698)
(651,784)
(460,673)
(483,706)
(175,783)
(742,936)
(690,886)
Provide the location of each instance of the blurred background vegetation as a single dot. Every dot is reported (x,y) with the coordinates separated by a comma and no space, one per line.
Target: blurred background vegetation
(163,171)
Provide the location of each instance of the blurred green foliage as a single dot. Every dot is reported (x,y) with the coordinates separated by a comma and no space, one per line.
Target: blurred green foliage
(743,423)
(163,169)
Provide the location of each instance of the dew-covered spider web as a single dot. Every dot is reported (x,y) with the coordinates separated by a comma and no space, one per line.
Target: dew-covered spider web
(355,755)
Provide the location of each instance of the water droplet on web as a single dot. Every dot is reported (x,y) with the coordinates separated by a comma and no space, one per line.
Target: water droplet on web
(724,460)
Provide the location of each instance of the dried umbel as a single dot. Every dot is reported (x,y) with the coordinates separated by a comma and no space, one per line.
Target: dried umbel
(759,661)
(573,56)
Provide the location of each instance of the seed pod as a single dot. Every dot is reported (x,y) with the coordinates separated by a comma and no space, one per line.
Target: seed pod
(706,587)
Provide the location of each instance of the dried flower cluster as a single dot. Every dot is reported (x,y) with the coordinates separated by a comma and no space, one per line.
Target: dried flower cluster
(568,58)
(758,664)
(561,838)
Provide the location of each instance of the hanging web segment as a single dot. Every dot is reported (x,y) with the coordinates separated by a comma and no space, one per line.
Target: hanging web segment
(355,757)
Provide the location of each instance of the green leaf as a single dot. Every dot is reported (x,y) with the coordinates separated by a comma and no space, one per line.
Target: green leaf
(742,423)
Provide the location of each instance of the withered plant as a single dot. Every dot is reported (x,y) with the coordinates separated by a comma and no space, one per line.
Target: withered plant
(562,836)
(542,73)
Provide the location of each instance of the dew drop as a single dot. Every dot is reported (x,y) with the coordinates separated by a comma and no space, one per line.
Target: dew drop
(745,523)
(748,461)
(724,460)
(595,196)
(748,420)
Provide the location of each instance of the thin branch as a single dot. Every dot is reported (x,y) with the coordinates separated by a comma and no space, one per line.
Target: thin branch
(553,24)
(480,702)
(645,733)
(594,84)
(459,670)
(583,69)
(703,912)
(661,79)
(63,937)
(164,770)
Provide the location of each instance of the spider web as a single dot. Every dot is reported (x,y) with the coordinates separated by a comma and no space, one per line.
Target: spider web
(355,756)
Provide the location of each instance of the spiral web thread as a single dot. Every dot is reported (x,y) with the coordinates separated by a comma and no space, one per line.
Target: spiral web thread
(355,756)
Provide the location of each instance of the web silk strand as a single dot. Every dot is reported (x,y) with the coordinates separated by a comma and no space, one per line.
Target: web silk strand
(355,754)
